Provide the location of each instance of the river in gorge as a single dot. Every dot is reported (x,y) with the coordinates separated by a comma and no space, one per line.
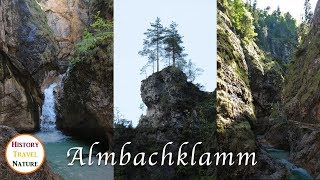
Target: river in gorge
(57,144)
(282,156)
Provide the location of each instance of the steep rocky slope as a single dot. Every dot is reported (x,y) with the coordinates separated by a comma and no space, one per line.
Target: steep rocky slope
(301,98)
(27,53)
(249,83)
(85,98)
(45,172)
(177,111)
(301,91)
(85,103)
(251,93)
(68,20)
(37,41)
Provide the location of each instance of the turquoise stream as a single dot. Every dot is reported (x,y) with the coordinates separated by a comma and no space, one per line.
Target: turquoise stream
(57,145)
(282,156)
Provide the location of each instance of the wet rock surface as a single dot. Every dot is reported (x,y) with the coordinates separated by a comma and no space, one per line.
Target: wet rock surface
(304,146)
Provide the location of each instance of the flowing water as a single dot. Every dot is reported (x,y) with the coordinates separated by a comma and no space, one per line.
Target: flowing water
(282,156)
(48,131)
(57,145)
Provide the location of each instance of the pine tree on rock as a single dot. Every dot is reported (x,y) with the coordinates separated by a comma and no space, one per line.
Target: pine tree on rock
(307,11)
(152,46)
(173,44)
(192,71)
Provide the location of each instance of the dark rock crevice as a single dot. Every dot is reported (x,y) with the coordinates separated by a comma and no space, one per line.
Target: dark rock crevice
(30,105)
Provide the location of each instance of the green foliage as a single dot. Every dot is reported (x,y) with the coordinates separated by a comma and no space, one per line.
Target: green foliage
(308,14)
(173,45)
(303,31)
(304,27)
(152,45)
(277,33)
(241,18)
(192,71)
(166,43)
(99,31)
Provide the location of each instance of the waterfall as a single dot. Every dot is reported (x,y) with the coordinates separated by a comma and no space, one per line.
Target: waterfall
(48,130)
(48,117)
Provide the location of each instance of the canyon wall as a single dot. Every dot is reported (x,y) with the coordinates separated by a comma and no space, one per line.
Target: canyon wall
(302,101)
(27,54)
(249,83)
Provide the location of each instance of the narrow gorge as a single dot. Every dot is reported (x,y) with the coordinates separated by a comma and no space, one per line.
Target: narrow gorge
(267,93)
(42,76)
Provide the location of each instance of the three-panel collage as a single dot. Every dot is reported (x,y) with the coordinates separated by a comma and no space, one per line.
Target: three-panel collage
(150,89)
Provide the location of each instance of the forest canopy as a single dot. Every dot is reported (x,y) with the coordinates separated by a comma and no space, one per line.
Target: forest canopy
(277,33)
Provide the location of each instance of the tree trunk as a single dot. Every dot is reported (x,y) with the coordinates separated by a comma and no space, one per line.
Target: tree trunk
(173,61)
(173,57)
(157,56)
(153,66)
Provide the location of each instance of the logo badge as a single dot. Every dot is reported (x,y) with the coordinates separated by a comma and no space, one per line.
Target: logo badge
(25,154)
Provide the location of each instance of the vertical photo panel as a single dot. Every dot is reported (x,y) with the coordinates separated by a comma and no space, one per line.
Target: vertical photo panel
(267,89)
(165,78)
(56,85)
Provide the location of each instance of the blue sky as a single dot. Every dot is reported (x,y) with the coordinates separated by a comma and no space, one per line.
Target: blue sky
(197,23)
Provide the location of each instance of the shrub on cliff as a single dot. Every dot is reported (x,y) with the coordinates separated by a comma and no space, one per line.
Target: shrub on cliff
(241,18)
(100,31)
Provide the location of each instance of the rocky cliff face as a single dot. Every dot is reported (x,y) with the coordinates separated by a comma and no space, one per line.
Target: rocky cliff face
(249,83)
(27,53)
(301,97)
(85,100)
(37,38)
(45,172)
(167,94)
(301,92)
(304,146)
(68,19)
(266,81)
(177,112)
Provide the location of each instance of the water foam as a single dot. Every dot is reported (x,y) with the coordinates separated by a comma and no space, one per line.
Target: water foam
(48,130)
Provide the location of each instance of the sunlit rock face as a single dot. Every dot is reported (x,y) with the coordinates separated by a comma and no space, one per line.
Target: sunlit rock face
(67,20)
(249,82)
